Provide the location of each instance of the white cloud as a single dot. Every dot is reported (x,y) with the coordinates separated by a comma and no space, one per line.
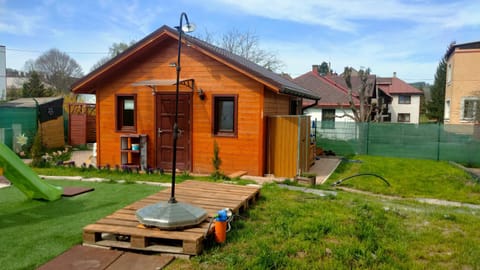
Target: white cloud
(13,22)
(344,15)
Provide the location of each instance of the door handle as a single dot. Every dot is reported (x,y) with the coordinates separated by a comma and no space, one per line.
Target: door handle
(159,132)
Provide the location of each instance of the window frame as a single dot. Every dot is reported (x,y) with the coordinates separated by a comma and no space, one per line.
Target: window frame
(215,122)
(474,108)
(328,124)
(405,102)
(119,108)
(398,118)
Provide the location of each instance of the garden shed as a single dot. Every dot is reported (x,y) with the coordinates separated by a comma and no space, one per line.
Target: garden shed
(21,118)
(223,99)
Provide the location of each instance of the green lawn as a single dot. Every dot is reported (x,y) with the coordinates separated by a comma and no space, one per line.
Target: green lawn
(285,229)
(409,178)
(33,232)
(295,230)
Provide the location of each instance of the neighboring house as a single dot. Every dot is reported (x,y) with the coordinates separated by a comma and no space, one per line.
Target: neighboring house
(3,74)
(399,101)
(405,99)
(332,109)
(223,98)
(462,92)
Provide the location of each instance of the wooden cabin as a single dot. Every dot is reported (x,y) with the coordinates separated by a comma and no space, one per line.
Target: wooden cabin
(223,98)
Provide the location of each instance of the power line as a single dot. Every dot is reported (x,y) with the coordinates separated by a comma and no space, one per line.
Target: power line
(38,51)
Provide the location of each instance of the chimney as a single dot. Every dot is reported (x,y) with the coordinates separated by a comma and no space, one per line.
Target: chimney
(315,68)
(3,74)
(394,74)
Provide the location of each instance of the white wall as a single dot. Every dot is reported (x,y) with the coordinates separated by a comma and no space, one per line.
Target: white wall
(342,130)
(316,113)
(3,74)
(413,108)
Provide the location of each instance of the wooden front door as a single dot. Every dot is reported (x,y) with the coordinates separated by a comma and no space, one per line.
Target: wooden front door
(165,119)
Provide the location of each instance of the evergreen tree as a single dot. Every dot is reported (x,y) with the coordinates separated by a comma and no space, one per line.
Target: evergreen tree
(324,69)
(436,106)
(34,87)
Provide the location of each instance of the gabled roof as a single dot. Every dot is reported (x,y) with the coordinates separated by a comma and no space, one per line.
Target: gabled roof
(333,94)
(395,86)
(356,83)
(29,102)
(463,46)
(248,68)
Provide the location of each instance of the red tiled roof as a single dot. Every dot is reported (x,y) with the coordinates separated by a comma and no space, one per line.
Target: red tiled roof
(333,94)
(395,86)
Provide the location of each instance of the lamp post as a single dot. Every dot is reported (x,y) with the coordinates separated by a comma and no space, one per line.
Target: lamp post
(188,27)
(172,214)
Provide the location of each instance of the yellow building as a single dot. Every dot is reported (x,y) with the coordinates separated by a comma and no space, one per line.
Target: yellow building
(462,93)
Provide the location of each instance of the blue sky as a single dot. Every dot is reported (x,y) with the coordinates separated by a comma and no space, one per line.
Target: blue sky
(404,36)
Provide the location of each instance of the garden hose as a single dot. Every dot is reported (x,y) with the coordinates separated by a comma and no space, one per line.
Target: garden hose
(360,174)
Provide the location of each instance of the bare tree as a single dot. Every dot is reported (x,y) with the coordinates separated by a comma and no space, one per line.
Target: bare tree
(114,50)
(59,69)
(247,45)
(363,111)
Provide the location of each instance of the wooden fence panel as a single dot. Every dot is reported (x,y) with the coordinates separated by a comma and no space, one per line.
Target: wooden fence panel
(288,145)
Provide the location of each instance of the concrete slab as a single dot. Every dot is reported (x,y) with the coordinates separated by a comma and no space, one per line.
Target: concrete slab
(324,167)
(83,258)
(83,156)
(129,261)
(93,258)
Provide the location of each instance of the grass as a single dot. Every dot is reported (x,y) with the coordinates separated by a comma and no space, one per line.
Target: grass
(295,230)
(33,232)
(286,229)
(409,178)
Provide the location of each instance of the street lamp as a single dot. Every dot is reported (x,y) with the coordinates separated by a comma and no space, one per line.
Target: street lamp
(173,214)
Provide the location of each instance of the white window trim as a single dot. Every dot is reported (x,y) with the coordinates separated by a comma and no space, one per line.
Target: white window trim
(462,108)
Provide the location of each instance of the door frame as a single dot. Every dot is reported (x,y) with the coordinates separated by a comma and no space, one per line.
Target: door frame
(188,161)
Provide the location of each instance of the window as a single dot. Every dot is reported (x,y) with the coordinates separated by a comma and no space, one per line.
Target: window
(403,117)
(449,73)
(225,115)
(471,108)
(446,114)
(126,112)
(404,100)
(328,118)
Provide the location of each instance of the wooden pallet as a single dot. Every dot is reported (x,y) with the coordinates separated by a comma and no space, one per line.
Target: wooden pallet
(122,229)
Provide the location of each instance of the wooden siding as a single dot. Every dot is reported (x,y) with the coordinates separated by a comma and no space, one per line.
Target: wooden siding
(276,104)
(244,152)
(53,134)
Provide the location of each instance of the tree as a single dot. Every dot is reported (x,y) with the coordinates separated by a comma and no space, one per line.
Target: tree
(113,51)
(436,106)
(247,45)
(59,69)
(324,69)
(34,87)
(362,112)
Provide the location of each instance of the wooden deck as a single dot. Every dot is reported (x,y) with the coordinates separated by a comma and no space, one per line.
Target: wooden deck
(122,230)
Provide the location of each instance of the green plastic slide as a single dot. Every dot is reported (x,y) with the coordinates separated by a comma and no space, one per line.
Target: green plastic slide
(24,178)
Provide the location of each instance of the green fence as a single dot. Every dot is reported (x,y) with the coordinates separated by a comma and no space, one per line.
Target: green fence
(459,143)
(16,124)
